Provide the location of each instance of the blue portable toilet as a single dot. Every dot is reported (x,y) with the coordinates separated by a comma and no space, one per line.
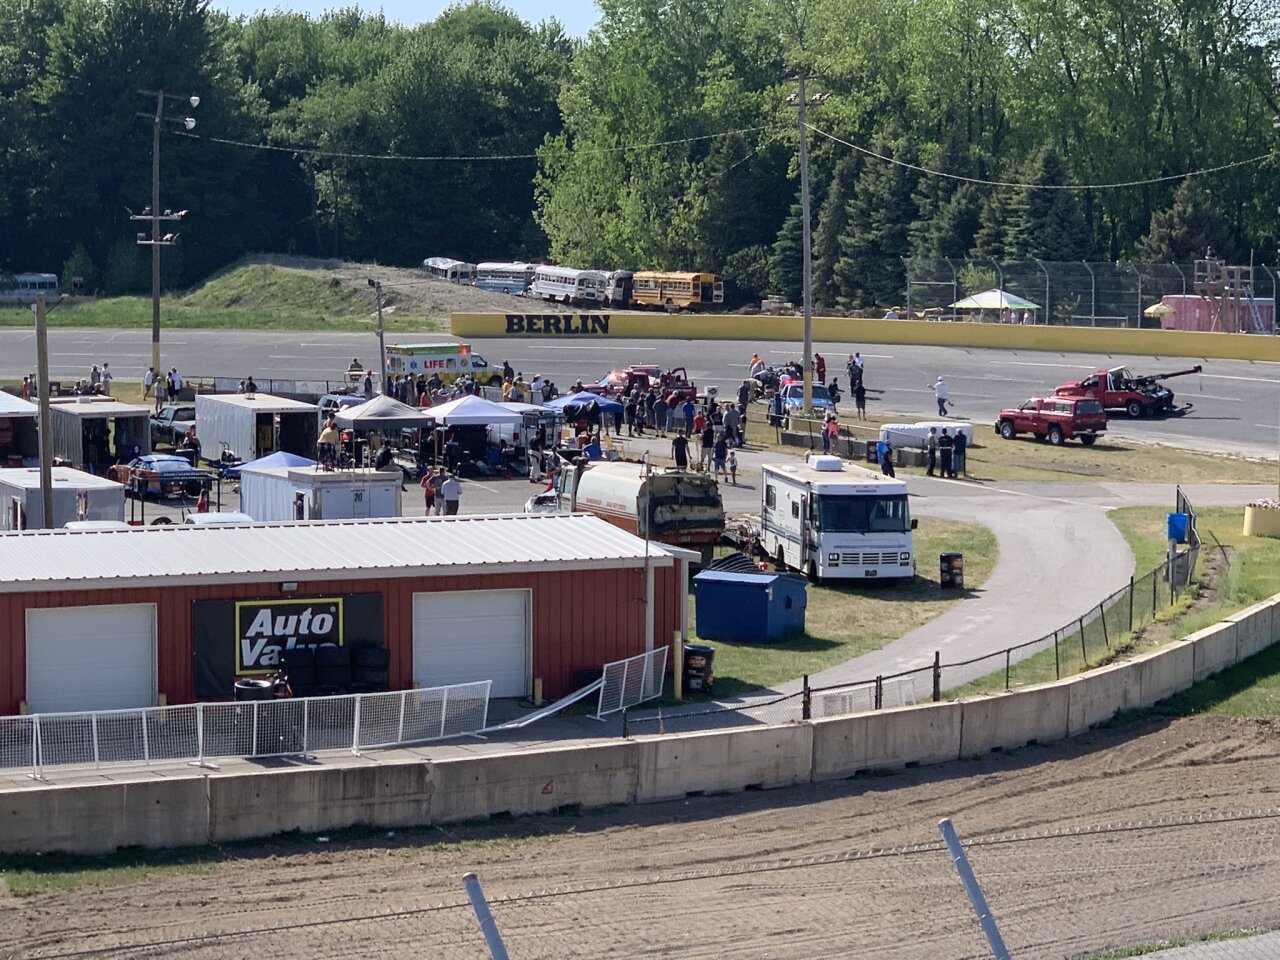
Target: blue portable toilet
(748,607)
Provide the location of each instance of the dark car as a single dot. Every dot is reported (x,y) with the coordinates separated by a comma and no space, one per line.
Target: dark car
(160,475)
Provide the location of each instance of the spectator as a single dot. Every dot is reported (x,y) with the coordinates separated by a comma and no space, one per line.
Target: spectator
(733,468)
(148,381)
(720,454)
(886,458)
(706,447)
(107,377)
(368,385)
(959,447)
(860,399)
(680,450)
(931,444)
(941,393)
(95,377)
(820,367)
(451,490)
(592,449)
(688,410)
(830,433)
(946,445)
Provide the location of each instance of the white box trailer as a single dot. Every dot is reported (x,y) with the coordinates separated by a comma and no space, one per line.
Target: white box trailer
(252,425)
(94,432)
(305,493)
(76,496)
(833,520)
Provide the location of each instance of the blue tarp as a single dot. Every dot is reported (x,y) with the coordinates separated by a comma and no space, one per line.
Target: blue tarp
(584,399)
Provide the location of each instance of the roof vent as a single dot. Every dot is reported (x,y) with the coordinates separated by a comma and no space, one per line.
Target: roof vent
(827,464)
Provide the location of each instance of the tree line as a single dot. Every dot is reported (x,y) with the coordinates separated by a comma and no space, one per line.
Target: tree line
(664,140)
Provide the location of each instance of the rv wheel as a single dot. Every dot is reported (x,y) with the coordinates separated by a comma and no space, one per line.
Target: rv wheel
(161,521)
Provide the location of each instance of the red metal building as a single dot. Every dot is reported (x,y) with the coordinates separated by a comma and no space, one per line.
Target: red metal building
(127,618)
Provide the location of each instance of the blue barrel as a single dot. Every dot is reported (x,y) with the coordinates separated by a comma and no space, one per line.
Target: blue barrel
(1177,524)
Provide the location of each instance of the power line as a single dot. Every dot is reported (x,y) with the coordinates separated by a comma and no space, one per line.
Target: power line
(338,155)
(1040,186)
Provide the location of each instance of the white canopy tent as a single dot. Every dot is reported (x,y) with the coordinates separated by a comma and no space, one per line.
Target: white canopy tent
(472,412)
(994,299)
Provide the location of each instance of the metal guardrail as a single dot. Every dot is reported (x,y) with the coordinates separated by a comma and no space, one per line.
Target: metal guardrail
(203,732)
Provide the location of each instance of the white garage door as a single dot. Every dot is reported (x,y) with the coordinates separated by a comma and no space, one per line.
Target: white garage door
(472,635)
(91,658)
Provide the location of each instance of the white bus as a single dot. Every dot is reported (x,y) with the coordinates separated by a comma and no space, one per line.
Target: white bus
(512,278)
(455,271)
(566,285)
(836,521)
(28,286)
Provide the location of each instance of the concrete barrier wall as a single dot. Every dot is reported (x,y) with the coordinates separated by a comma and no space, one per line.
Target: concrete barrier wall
(671,768)
(925,734)
(1010,720)
(400,790)
(543,323)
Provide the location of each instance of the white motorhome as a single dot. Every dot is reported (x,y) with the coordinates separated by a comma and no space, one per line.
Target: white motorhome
(833,520)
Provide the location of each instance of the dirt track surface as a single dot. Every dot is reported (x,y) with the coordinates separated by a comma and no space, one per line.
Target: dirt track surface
(1159,829)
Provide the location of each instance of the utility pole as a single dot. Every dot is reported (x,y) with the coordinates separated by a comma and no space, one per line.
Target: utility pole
(154,214)
(382,346)
(800,100)
(42,398)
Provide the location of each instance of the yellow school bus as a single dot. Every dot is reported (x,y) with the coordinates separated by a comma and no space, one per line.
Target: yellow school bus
(676,291)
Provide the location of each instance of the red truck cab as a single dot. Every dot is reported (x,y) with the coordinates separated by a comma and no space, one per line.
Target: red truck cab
(1056,419)
(1120,389)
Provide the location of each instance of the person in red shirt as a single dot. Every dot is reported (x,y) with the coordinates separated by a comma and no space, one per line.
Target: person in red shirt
(699,422)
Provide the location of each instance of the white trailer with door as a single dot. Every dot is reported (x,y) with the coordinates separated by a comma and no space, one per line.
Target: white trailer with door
(76,496)
(252,425)
(833,520)
(273,494)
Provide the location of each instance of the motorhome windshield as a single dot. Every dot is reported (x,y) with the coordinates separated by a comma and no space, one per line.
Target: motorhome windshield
(837,514)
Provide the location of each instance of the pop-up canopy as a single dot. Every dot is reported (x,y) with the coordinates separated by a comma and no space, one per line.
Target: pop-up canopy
(472,411)
(994,299)
(381,411)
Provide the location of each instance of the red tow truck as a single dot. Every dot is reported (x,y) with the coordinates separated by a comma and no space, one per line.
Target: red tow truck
(1056,419)
(622,382)
(1120,389)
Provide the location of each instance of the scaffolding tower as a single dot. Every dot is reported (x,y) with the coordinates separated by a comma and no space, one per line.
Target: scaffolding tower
(1228,291)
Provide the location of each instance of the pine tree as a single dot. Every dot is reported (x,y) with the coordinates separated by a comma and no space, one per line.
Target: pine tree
(1187,229)
(786,268)
(833,217)
(870,269)
(954,228)
(993,222)
(1047,224)
(932,197)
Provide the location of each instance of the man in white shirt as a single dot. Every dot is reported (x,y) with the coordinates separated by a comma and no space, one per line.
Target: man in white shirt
(148,381)
(941,393)
(451,490)
(107,377)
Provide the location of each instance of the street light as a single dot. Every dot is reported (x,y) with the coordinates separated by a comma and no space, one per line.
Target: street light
(382,347)
(801,102)
(153,214)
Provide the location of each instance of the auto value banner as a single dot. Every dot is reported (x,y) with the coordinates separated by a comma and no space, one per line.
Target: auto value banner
(246,638)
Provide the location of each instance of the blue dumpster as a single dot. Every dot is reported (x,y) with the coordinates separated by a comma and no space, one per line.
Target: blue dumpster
(749,607)
(1177,525)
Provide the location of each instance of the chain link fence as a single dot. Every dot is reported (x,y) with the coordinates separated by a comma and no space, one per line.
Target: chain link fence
(1072,293)
(203,732)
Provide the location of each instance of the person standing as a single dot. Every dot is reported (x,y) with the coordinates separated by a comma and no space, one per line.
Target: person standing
(161,390)
(706,446)
(854,371)
(733,468)
(720,456)
(732,424)
(148,382)
(960,446)
(95,378)
(931,444)
(886,458)
(860,399)
(820,367)
(26,387)
(631,416)
(680,450)
(107,377)
(368,386)
(830,432)
(688,410)
(946,446)
(941,393)
(437,500)
(451,490)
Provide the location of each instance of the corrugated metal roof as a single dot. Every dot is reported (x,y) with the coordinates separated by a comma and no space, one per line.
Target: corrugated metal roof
(50,560)
(28,478)
(262,402)
(98,407)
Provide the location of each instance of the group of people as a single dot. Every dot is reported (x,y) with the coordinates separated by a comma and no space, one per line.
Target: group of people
(162,386)
(717,436)
(946,452)
(441,492)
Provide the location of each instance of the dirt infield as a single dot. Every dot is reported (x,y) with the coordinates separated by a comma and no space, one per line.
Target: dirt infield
(1158,829)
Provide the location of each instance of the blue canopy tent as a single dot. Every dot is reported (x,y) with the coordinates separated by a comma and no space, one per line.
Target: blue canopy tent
(576,404)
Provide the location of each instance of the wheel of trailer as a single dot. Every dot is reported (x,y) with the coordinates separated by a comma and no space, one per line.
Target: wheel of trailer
(161,521)
(1088,440)
(1135,409)
(780,561)
(1055,436)
(1006,429)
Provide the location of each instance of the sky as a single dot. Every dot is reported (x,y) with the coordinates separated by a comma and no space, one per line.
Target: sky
(576,16)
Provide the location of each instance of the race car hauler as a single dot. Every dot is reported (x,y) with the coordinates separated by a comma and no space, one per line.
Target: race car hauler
(677,507)
(835,521)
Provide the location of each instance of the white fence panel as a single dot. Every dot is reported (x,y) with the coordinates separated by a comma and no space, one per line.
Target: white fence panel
(632,681)
(18,743)
(861,698)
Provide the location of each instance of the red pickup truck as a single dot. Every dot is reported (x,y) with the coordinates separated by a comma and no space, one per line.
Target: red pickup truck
(622,382)
(1056,419)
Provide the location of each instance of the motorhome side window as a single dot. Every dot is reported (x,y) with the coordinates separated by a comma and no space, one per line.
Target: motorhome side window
(770,496)
(795,508)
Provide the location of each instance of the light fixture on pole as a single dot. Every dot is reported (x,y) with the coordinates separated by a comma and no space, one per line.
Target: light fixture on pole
(153,212)
(802,101)
(382,346)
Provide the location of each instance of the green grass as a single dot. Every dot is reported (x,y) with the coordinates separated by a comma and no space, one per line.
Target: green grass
(1142,949)
(36,874)
(843,622)
(1253,575)
(248,297)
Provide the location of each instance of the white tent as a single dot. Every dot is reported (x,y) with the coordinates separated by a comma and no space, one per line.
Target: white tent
(11,406)
(381,411)
(472,411)
(994,299)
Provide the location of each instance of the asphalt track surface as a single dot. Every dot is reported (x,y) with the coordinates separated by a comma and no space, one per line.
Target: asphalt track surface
(1236,402)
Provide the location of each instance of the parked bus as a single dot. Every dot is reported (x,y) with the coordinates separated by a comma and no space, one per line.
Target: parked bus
(566,285)
(512,278)
(617,291)
(28,286)
(836,521)
(676,291)
(455,271)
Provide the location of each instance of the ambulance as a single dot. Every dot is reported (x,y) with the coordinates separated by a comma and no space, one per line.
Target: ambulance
(449,361)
